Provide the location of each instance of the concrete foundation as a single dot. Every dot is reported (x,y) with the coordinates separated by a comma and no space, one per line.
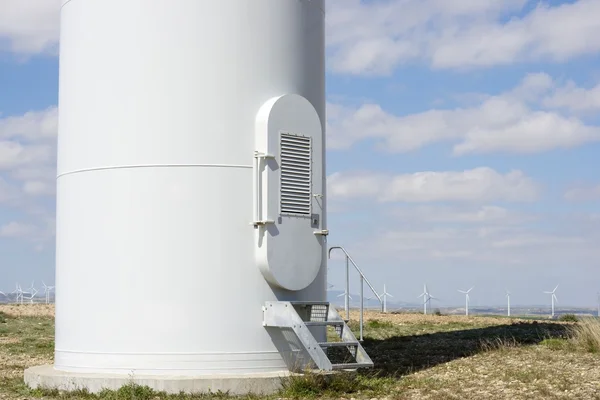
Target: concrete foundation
(46,376)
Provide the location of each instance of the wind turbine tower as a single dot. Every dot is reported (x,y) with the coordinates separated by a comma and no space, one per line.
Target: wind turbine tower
(508,299)
(234,142)
(466,300)
(554,298)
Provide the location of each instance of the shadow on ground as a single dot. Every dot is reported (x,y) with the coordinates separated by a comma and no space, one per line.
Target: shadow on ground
(402,355)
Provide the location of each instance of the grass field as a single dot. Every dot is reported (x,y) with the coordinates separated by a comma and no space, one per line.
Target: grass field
(416,357)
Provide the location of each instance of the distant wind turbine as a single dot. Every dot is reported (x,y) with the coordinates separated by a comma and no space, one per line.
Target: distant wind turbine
(33,291)
(367,300)
(508,298)
(426,298)
(385,295)
(467,300)
(47,290)
(347,299)
(18,292)
(554,298)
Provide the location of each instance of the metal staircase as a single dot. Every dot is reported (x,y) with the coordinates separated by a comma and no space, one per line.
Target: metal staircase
(299,316)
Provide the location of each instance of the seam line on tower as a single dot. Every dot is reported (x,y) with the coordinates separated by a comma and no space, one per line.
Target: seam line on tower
(153,166)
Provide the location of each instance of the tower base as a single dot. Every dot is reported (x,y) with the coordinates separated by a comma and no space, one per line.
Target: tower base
(46,377)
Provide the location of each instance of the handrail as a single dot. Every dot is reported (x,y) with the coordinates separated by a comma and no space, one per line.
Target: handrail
(363,278)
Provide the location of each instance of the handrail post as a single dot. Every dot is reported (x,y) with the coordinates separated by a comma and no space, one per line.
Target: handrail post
(363,279)
(347,288)
(362,299)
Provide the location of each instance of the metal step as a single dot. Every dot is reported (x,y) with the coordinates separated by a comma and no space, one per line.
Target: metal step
(309,303)
(291,315)
(322,323)
(338,344)
(351,366)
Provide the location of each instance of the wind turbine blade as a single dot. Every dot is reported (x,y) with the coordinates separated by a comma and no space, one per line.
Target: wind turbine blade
(470,289)
(462,291)
(555,298)
(389,295)
(555,288)
(548,292)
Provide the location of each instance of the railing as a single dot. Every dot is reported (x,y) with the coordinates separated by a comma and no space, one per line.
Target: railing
(363,279)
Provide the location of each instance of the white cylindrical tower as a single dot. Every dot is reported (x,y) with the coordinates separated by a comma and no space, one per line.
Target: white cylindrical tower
(190,181)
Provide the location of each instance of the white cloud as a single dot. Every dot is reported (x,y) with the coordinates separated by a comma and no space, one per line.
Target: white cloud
(479,238)
(575,99)
(583,193)
(519,246)
(476,185)
(38,188)
(27,174)
(532,132)
(556,33)
(28,150)
(38,234)
(14,154)
(489,215)
(17,230)
(535,240)
(375,37)
(33,125)
(29,26)
(508,122)
(8,193)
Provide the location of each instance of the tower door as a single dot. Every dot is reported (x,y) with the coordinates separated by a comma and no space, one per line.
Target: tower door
(288,192)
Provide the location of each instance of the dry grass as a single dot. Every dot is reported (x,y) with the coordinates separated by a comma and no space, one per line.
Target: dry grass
(586,335)
(513,373)
(27,310)
(416,357)
(431,320)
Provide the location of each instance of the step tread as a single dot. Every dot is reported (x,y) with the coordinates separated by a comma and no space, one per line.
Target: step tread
(338,344)
(352,366)
(309,303)
(321,323)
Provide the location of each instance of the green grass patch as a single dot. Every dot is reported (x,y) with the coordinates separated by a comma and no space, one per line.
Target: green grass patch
(337,384)
(377,324)
(568,318)
(556,344)
(130,391)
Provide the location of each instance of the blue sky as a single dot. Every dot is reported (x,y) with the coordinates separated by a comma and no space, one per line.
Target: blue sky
(463,145)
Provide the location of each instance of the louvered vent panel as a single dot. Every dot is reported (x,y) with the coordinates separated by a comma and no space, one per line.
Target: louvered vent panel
(295,174)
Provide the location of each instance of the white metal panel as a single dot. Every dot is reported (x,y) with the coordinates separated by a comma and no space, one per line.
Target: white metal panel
(289,253)
(155,251)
